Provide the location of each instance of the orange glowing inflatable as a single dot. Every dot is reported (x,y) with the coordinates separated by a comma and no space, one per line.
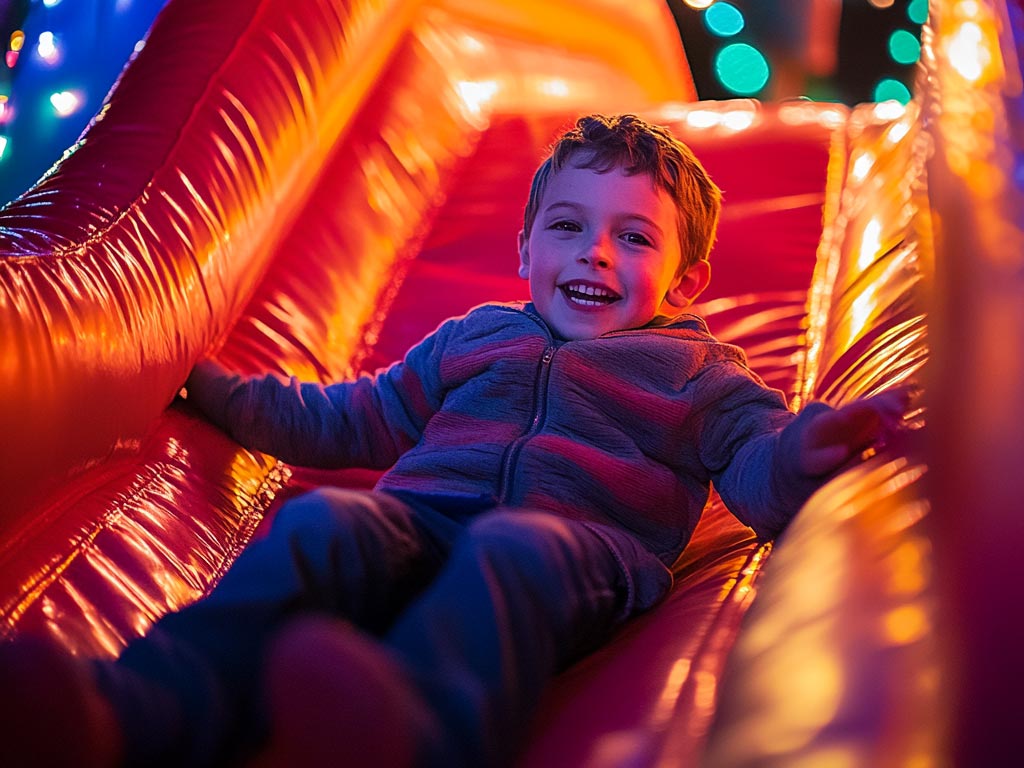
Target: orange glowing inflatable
(310,186)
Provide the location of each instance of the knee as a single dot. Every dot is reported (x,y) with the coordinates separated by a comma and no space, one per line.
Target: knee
(528,543)
(313,514)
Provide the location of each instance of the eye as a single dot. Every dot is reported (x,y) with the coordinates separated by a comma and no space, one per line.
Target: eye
(635,238)
(565,225)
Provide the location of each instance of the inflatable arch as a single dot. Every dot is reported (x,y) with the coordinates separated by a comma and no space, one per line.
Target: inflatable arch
(311,186)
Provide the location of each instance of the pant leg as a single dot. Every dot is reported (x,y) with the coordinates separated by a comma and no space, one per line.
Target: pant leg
(522,595)
(189,693)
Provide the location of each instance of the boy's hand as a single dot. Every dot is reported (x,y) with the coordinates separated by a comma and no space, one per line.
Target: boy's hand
(835,437)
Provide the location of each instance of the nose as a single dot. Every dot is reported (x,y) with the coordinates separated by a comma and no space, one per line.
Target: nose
(599,253)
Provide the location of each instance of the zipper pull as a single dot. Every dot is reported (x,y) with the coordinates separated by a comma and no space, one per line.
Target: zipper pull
(548,354)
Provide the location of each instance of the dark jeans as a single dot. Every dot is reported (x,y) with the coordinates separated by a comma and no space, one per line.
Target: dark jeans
(480,610)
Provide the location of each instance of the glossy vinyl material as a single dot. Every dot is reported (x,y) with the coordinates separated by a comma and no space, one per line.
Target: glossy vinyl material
(310,186)
(885,632)
(975,105)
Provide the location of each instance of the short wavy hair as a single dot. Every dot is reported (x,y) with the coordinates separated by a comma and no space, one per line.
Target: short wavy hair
(601,143)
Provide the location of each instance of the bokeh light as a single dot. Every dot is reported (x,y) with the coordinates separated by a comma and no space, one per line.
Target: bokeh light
(724,19)
(742,69)
(47,48)
(839,55)
(904,48)
(890,89)
(917,11)
(967,51)
(66,102)
(61,59)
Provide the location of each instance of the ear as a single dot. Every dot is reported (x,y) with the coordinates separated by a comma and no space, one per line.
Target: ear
(689,285)
(524,256)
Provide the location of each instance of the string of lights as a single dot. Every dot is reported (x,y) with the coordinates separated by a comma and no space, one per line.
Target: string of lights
(60,59)
(848,51)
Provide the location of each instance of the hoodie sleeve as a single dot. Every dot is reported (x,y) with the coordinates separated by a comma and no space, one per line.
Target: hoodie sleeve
(748,442)
(368,422)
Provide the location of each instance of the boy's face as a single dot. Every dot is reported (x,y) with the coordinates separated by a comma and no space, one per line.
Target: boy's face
(603,254)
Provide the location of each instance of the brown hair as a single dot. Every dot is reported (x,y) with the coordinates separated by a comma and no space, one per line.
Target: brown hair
(602,143)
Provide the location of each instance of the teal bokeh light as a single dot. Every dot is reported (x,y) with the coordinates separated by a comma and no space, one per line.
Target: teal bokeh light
(742,69)
(724,19)
(890,89)
(904,48)
(917,11)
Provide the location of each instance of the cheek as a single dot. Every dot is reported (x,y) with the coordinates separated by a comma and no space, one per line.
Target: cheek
(644,283)
(543,268)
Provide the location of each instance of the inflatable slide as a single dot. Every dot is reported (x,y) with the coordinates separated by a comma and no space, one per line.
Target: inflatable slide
(311,186)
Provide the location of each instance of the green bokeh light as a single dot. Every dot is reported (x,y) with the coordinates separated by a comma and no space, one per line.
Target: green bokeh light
(723,19)
(742,69)
(890,89)
(904,47)
(917,11)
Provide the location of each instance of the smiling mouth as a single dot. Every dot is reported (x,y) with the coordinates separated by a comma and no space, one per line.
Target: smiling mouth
(588,295)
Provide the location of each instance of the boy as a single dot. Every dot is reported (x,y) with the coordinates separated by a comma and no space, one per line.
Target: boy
(548,462)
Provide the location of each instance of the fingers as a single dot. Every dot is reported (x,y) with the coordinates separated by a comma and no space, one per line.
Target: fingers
(893,403)
(894,408)
(856,430)
(854,425)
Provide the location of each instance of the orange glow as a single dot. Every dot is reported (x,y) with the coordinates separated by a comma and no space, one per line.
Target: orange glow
(477,94)
(870,243)
(732,115)
(669,697)
(906,624)
(801,112)
(554,86)
(969,40)
(862,164)
(910,568)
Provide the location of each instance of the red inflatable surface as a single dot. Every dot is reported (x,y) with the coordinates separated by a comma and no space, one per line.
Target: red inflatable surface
(311,186)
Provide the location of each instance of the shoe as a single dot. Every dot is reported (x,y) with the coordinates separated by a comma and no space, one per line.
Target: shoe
(51,713)
(336,697)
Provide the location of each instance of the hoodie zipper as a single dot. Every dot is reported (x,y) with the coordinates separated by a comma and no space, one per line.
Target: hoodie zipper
(539,416)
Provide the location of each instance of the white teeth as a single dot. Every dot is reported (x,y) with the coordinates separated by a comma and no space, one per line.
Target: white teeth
(576,291)
(588,289)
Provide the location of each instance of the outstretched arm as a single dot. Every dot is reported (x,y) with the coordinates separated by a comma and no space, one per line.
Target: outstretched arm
(366,422)
(767,464)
